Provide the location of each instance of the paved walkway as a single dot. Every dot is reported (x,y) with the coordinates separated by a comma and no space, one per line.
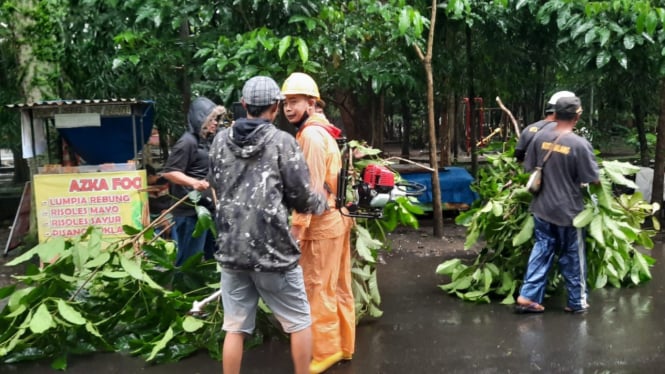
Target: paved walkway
(425,330)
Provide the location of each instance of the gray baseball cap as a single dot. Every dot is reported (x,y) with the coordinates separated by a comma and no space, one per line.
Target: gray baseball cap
(261,91)
(568,106)
(549,108)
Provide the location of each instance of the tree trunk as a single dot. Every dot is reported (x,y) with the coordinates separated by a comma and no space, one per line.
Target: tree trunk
(406,135)
(641,134)
(356,118)
(436,187)
(472,109)
(451,115)
(34,71)
(659,167)
(21,167)
(379,123)
(444,133)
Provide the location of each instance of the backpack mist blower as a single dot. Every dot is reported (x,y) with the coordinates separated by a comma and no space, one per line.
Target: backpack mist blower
(372,191)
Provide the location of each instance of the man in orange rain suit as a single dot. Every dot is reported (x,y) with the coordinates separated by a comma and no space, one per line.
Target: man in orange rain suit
(324,239)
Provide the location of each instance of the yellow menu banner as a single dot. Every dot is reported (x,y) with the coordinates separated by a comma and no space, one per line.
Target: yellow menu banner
(67,204)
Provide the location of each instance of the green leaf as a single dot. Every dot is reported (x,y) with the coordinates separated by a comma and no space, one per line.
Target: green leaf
(488,279)
(629,41)
(89,327)
(589,37)
(374,311)
(525,233)
(114,274)
(602,59)
(56,245)
(98,261)
(59,363)
(404,21)
(447,267)
(191,324)
(601,281)
(194,196)
(41,320)
(497,209)
(70,314)
(374,289)
(596,229)
(7,348)
(475,296)
(364,243)
(18,311)
(604,36)
(583,218)
(508,300)
(16,298)
(7,290)
(161,344)
(133,268)
(621,58)
(203,222)
(360,272)
(284,44)
(303,50)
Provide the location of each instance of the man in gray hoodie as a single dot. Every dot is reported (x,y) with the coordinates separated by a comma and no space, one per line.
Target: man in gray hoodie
(260,175)
(186,169)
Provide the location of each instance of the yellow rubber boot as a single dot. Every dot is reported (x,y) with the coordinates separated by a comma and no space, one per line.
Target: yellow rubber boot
(317,367)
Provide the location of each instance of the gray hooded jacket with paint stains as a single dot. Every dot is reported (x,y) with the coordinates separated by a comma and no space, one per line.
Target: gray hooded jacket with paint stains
(259,174)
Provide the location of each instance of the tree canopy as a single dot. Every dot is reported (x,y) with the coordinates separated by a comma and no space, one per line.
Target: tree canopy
(360,52)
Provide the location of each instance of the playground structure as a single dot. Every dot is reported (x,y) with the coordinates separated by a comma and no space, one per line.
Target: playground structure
(490,122)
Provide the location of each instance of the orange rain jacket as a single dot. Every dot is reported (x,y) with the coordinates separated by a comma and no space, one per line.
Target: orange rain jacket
(326,249)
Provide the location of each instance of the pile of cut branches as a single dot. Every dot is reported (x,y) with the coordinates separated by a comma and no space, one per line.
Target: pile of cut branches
(617,228)
(86,294)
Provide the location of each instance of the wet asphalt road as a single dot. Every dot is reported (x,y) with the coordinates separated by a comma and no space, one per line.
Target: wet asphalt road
(424,330)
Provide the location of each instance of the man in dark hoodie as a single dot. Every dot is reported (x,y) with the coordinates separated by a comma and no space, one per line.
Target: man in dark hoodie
(259,175)
(186,169)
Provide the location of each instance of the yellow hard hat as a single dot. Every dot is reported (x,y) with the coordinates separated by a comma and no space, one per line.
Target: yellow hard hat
(300,84)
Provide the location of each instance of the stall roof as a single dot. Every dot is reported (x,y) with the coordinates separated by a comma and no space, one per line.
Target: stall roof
(57,103)
(125,126)
(106,107)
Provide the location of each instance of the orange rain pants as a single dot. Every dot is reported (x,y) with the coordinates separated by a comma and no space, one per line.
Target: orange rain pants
(326,268)
(326,252)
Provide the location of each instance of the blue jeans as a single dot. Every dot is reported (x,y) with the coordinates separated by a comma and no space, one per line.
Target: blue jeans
(182,232)
(568,243)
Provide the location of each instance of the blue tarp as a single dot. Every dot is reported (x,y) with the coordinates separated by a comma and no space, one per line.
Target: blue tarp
(455,183)
(113,141)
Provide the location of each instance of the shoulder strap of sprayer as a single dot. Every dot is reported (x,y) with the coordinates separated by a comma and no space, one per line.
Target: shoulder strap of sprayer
(342,177)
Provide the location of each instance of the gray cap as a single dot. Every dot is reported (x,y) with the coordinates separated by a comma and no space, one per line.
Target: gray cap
(568,106)
(261,91)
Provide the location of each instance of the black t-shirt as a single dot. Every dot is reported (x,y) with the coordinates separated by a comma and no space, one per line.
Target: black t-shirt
(571,163)
(189,156)
(527,136)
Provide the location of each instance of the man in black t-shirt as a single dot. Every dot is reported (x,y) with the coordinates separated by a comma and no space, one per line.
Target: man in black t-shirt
(570,165)
(187,170)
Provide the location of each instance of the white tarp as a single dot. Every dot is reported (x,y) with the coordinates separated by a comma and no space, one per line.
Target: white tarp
(27,136)
(644,181)
(72,120)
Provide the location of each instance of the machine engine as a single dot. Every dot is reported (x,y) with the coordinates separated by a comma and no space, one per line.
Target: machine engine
(371,190)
